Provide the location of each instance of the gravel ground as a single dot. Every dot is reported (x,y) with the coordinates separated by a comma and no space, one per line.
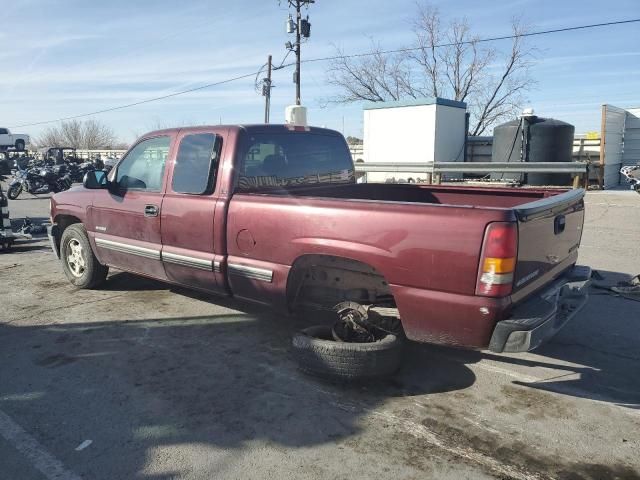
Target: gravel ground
(166,383)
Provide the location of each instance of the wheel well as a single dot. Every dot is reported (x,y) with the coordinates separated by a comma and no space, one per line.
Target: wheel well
(63,221)
(325,280)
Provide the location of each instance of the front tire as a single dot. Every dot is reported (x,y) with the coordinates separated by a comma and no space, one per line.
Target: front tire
(79,263)
(20,145)
(14,191)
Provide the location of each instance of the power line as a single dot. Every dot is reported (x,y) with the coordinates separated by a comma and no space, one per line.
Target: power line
(141,102)
(334,57)
(468,42)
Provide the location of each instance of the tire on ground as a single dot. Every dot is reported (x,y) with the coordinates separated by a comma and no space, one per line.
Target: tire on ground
(94,273)
(318,354)
(14,191)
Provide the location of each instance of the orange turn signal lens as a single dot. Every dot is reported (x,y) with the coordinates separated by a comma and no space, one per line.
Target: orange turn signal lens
(499,265)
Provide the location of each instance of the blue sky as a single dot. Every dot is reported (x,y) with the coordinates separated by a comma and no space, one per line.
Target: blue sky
(65,57)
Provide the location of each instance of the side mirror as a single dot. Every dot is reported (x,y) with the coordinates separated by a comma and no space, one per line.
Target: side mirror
(95,179)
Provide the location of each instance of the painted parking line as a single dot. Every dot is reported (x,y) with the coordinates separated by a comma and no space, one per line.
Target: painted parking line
(38,456)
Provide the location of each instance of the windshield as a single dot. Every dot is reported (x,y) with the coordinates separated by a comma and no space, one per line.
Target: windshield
(272,160)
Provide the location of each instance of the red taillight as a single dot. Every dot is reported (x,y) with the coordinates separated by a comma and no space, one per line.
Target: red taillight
(498,260)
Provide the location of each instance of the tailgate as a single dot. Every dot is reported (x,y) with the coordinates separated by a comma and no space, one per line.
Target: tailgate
(549,233)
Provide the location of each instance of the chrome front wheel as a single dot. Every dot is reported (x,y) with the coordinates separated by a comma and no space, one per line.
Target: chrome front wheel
(79,263)
(76,259)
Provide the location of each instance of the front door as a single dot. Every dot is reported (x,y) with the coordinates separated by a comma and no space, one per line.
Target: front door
(188,208)
(124,221)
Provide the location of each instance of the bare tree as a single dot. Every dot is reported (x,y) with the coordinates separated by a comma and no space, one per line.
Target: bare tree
(443,61)
(73,133)
(378,77)
(96,135)
(51,137)
(90,134)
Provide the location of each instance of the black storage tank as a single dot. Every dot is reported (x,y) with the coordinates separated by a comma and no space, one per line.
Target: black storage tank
(533,139)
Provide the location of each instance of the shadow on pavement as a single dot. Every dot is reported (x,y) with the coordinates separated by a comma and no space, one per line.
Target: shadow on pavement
(600,345)
(221,383)
(223,380)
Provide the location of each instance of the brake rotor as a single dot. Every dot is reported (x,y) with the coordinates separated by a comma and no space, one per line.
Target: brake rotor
(352,325)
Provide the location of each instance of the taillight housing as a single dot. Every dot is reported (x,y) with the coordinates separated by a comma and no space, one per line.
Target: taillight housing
(498,260)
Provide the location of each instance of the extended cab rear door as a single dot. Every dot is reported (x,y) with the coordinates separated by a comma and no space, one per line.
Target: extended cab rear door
(187,220)
(549,234)
(124,221)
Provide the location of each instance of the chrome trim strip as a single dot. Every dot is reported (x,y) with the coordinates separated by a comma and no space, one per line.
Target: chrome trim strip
(187,261)
(251,272)
(130,249)
(216,267)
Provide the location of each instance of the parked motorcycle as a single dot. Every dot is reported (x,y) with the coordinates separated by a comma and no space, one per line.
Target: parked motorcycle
(39,180)
(109,163)
(78,171)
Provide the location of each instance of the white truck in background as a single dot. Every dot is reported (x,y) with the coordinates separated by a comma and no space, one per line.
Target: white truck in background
(9,140)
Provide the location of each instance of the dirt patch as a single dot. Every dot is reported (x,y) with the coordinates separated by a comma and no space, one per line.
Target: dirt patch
(510,451)
(47,284)
(537,405)
(56,360)
(595,471)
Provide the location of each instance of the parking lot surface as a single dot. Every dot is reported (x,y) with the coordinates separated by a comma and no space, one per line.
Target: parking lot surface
(144,380)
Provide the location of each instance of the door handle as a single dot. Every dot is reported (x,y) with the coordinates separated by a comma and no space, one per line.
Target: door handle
(150,211)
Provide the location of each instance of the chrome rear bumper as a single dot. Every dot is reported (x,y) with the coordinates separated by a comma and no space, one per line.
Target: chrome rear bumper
(540,317)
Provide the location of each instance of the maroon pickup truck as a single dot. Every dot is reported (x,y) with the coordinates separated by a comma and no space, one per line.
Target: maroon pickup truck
(273,214)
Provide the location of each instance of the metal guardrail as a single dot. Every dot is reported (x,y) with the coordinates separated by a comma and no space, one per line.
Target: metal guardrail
(434,170)
(88,154)
(576,168)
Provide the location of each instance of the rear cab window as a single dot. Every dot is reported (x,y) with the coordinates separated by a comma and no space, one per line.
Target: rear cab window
(196,164)
(287,159)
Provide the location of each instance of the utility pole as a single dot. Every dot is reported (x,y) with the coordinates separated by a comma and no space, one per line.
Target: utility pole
(266,91)
(302,29)
(297,79)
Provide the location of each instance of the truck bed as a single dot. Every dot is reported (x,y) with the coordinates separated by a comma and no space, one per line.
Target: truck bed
(426,241)
(492,197)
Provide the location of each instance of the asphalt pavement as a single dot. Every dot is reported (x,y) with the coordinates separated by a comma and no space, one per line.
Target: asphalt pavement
(144,380)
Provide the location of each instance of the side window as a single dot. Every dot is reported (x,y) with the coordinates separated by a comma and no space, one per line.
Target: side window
(196,164)
(4,131)
(143,167)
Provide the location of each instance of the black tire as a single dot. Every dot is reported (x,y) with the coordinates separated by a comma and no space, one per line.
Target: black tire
(84,270)
(318,354)
(14,191)
(20,145)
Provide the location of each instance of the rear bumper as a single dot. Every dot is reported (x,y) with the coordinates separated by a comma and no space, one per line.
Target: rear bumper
(540,317)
